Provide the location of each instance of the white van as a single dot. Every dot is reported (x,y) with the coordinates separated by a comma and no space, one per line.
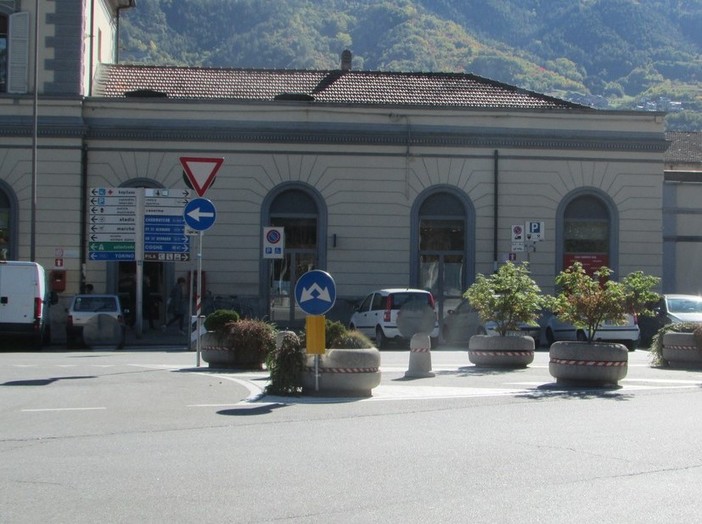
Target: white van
(23,301)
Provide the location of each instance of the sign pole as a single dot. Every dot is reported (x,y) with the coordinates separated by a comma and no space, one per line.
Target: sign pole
(198,298)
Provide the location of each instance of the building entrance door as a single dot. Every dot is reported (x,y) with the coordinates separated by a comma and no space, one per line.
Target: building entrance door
(442,274)
(284,275)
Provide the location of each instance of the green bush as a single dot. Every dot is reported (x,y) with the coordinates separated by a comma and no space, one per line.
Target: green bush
(354,339)
(656,348)
(285,365)
(217,320)
(334,331)
(336,335)
(507,297)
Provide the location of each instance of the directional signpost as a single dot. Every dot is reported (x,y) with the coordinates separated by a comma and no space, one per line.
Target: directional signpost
(315,293)
(164,228)
(112,223)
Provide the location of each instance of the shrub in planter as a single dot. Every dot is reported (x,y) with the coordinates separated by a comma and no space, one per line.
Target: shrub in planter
(218,319)
(337,335)
(285,364)
(354,339)
(241,344)
(657,347)
(586,301)
(509,298)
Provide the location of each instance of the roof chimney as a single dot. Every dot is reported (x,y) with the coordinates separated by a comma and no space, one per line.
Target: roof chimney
(346,57)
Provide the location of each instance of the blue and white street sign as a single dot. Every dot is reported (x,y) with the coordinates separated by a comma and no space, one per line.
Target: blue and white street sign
(199,214)
(315,292)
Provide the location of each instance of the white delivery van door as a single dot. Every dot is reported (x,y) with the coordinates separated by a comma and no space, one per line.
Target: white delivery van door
(19,287)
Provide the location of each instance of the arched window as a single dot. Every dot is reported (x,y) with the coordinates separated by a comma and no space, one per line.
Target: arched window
(8,223)
(443,236)
(301,212)
(589,231)
(3,52)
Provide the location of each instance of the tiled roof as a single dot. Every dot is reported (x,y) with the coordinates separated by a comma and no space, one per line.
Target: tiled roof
(334,86)
(684,147)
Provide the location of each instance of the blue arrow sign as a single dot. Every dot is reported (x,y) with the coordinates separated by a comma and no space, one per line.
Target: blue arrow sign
(200,214)
(315,292)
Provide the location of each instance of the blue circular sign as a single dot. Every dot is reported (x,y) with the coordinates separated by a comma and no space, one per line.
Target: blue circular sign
(273,236)
(315,292)
(199,214)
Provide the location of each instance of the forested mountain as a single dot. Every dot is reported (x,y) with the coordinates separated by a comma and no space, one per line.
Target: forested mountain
(644,54)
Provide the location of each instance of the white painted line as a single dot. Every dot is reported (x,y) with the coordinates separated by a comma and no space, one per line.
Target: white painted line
(433,392)
(663,380)
(62,409)
(255,391)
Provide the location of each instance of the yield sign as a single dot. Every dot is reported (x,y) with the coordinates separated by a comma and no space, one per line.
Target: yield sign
(201,171)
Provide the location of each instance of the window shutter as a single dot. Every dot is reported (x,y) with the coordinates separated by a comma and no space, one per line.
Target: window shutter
(18,54)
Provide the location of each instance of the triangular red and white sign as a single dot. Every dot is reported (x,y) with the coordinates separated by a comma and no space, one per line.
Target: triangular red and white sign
(201,171)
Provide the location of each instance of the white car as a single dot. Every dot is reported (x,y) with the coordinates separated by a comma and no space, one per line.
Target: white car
(378,314)
(672,309)
(681,308)
(95,318)
(627,333)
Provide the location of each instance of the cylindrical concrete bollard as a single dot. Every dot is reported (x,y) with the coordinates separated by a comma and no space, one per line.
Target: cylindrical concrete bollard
(420,356)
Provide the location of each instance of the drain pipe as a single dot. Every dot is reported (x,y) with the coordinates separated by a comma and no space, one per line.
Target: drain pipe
(83,216)
(495,220)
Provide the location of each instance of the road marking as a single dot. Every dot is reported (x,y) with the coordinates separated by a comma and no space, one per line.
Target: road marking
(62,409)
(255,391)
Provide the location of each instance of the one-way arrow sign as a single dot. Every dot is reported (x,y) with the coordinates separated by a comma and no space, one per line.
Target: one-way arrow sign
(199,214)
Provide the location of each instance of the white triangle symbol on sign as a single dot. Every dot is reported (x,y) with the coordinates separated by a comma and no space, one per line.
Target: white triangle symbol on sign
(201,171)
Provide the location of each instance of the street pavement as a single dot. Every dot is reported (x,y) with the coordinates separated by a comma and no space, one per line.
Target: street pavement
(146,435)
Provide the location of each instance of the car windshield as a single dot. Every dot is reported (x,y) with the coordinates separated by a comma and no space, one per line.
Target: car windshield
(685,305)
(401,299)
(95,304)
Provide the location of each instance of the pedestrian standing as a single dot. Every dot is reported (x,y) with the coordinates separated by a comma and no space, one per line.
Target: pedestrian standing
(176,305)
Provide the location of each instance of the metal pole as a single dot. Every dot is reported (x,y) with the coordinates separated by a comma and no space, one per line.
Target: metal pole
(35,133)
(198,299)
(316,372)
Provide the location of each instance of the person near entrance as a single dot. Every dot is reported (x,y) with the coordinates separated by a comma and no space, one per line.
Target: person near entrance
(176,305)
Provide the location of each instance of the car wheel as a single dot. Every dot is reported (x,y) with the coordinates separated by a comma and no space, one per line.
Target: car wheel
(630,344)
(380,338)
(580,336)
(481,331)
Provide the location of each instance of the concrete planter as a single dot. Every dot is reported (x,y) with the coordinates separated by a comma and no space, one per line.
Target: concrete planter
(343,372)
(597,364)
(502,352)
(219,355)
(680,350)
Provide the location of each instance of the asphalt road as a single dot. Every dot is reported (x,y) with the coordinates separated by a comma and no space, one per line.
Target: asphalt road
(146,436)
